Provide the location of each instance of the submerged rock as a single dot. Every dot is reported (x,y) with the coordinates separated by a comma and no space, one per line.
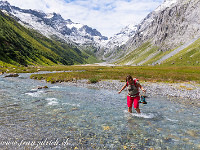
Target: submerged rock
(192,133)
(42,87)
(73,109)
(12,75)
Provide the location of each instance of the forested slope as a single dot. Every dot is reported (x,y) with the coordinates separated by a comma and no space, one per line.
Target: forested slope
(21,46)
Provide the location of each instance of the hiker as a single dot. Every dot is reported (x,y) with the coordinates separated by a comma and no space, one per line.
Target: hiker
(133,86)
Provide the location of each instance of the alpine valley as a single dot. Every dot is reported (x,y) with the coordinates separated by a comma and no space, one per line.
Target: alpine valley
(170,35)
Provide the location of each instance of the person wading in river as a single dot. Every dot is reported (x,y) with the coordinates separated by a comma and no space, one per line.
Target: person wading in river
(133,86)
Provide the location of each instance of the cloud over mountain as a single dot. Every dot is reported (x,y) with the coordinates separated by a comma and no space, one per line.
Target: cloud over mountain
(107,16)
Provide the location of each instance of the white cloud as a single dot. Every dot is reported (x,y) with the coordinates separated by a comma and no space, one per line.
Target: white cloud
(107,16)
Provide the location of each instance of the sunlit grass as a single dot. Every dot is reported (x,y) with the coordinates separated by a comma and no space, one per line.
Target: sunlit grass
(147,73)
(96,73)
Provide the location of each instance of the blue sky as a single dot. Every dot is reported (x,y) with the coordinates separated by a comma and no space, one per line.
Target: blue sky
(107,16)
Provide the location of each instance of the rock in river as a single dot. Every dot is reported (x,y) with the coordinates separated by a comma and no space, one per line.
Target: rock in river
(12,75)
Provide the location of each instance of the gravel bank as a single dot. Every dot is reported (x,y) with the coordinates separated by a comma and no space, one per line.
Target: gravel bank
(186,93)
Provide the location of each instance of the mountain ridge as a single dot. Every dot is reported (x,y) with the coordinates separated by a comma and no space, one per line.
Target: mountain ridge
(171,25)
(109,48)
(51,24)
(158,39)
(22,46)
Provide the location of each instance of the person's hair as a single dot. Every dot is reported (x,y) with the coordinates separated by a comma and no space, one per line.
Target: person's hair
(128,78)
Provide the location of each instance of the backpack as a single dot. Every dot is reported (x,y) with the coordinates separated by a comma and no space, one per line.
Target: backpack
(134,81)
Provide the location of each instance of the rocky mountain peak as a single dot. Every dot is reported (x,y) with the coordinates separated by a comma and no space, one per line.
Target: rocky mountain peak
(57,17)
(5,5)
(173,24)
(68,21)
(53,24)
(166,4)
(110,46)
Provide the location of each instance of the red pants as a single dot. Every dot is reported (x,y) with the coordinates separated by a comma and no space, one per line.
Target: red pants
(130,101)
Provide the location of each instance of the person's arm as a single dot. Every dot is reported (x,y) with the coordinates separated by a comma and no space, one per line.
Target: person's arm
(141,88)
(122,89)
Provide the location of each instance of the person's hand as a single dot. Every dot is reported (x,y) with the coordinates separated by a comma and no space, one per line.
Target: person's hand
(143,90)
(119,92)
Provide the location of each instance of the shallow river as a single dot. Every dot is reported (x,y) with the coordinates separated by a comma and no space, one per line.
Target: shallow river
(81,118)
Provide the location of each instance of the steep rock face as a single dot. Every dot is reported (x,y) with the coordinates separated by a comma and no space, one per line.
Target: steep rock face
(53,24)
(168,30)
(169,26)
(122,37)
(110,47)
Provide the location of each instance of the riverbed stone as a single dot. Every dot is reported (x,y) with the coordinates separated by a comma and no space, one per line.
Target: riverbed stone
(12,75)
(106,128)
(192,133)
(73,109)
(186,139)
(198,146)
(174,91)
(42,87)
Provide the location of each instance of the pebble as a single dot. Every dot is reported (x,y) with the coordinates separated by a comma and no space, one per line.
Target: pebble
(40,87)
(187,93)
(73,109)
(192,133)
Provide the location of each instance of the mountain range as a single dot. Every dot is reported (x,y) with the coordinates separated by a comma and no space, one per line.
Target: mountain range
(22,46)
(168,35)
(52,24)
(110,47)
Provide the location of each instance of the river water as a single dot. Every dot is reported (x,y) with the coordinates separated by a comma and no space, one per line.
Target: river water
(83,118)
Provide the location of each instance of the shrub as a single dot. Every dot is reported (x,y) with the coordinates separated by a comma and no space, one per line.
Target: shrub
(93,80)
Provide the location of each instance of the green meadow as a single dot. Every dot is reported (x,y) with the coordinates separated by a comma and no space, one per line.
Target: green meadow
(96,73)
(147,54)
(20,46)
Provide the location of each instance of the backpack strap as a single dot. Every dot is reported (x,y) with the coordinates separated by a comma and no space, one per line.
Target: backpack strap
(135,83)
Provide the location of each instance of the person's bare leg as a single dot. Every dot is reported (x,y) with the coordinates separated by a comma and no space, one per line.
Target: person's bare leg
(138,110)
(130,109)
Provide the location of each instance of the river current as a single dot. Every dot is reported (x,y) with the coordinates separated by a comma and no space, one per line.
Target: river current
(70,117)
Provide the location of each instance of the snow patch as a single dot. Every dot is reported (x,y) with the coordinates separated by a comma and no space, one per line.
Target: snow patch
(165,4)
(75,25)
(122,37)
(49,16)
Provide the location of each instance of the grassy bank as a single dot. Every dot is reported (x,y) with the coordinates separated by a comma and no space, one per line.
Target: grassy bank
(95,73)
